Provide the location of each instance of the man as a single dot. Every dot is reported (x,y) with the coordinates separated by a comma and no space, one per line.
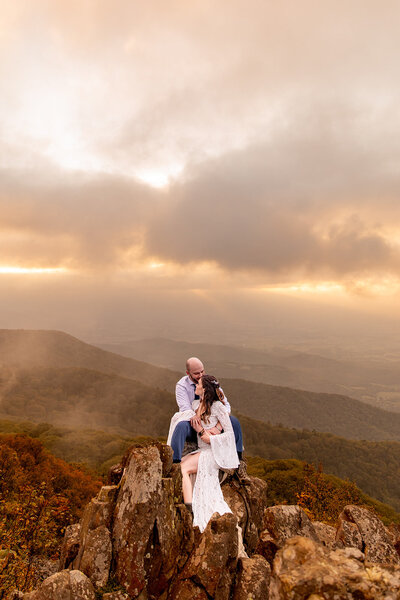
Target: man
(185,394)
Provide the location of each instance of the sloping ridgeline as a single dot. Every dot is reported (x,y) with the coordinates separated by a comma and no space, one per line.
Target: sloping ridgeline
(331,413)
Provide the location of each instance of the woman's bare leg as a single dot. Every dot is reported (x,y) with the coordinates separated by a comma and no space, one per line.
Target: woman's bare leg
(188,466)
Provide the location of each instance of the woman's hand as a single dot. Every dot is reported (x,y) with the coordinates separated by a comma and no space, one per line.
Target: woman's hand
(206,437)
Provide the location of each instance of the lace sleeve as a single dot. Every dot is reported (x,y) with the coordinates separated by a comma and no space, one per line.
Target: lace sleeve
(223,446)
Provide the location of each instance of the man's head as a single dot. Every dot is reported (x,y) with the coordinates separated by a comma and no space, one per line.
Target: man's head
(194,368)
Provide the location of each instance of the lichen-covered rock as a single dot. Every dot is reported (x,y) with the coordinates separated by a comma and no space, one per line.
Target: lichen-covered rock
(66,585)
(283,522)
(325,533)
(97,554)
(115,596)
(305,570)
(267,546)
(213,562)
(247,502)
(95,547)
(376,542)
(188,590)
(115,474)
(394,534)
(253,578)
(70,546)
(348,535)
(135,533)
(152,534)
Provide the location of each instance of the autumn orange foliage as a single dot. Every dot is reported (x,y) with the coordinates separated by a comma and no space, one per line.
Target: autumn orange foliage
(39,496)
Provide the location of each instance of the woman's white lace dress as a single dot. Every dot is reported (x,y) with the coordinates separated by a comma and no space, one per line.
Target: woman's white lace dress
(220,453)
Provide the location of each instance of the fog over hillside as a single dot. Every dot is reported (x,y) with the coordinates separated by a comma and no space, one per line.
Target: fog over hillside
(45,373)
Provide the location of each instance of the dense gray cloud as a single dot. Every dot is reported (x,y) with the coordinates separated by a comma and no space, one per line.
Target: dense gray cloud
(282,120)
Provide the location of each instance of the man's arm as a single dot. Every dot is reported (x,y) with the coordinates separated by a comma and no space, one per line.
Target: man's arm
(182,397)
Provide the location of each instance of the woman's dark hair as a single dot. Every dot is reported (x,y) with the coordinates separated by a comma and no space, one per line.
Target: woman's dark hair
(212,393)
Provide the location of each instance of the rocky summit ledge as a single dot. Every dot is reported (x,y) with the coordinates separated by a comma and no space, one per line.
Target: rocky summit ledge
(136,541)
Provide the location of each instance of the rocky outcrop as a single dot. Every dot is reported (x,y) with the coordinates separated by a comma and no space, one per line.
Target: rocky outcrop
(136,541)
(212,565)
(247,503)
(95,546)
(375,540)
(70,546)
(66,585)
(325,533)
(280,524)
(253,578)
(304,569)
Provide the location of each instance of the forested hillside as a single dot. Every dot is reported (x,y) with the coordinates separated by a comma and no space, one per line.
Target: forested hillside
(373,466)
(331,413)
(39,496)
(71,395)
(77,398)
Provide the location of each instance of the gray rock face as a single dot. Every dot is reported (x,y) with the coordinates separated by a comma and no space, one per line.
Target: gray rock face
(152,535)
(283,522)
(247,504)
(325,533)
(304,569)
(348,535)
(253,578)
(376,541)
(95,547)
(212,564)
(70,546)
(66,585)
(97,554)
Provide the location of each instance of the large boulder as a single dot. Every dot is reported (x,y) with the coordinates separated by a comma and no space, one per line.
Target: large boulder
(65,585)
(281,523)
(252,579)
(70,546)
(149,529)
(305,570)
(97,555)
(325,533)
(210,569)
(348,535)
(247,502)
(376,542)
(95,546)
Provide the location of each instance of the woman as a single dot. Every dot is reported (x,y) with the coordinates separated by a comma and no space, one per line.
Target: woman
(215,452)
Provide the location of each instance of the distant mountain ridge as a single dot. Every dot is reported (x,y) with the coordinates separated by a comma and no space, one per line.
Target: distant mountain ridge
(285,367)
(36,351)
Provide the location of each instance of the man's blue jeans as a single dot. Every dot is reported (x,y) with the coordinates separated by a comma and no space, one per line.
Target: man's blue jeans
(184,431)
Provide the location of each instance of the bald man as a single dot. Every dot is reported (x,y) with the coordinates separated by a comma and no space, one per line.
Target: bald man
(185,395)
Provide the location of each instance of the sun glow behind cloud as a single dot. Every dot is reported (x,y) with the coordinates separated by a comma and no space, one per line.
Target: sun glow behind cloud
(6,270)
(385,287)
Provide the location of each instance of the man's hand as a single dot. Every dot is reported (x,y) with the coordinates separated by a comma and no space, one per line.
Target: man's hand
(214,431)
(196,423)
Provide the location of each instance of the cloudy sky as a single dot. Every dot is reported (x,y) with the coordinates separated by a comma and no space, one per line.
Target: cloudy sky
(199,164)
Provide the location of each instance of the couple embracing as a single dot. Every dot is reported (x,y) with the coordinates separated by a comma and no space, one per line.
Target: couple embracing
(204,418)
